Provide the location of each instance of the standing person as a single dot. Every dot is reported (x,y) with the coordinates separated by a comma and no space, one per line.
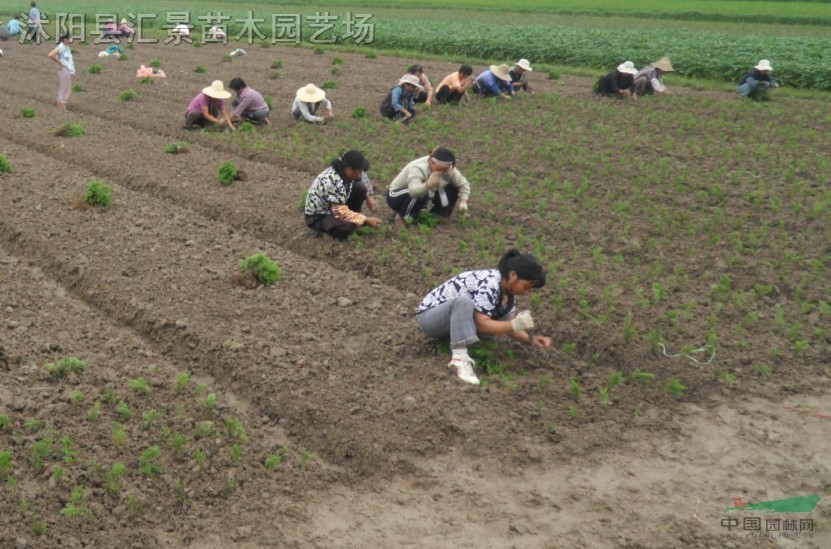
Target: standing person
(336,197)
(249,105)
(425,95)
(494,82)
(451,90)
(650,79)
(518,75)
(307,101)
(33,31)
(208,108)
(619,82)
(430,179)
(399,103)
(62,55)
(127,31)
(482,302)
(757,82)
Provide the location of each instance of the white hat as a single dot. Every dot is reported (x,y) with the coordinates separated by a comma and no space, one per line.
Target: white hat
(103,54)
(411,79)
(216,90)
(501,72)
(123,22)
(524,65)
(627,67)
(310,94)
(763,65)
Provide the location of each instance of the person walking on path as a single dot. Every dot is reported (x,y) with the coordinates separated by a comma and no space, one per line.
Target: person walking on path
(33,31)
(62,55)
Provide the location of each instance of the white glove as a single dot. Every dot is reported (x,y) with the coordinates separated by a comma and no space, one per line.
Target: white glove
(523,322)
(462,206)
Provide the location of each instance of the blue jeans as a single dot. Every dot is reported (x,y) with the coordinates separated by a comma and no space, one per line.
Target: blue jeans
(753,88)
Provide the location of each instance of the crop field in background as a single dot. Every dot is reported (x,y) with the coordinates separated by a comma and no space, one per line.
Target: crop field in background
(147,398)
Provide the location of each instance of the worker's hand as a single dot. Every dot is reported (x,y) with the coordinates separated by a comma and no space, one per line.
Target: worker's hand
(373,222)
(523,322)
(462,207)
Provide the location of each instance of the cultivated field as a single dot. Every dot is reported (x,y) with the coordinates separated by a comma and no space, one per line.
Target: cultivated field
(312,413)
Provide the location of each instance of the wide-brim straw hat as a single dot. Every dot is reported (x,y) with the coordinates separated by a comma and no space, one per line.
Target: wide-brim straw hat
(524,65)
(411,79)
(123,22)
(627,67)
(663,64)
(216,90)
(764,65)
(501,71)
(310,94)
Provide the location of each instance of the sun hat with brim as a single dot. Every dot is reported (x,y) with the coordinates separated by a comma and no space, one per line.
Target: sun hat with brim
(123,22)
(411,79)
(663,64)
(310,94)
(763,65)
(524,65)
(627,67)
(217,90)
(501,71)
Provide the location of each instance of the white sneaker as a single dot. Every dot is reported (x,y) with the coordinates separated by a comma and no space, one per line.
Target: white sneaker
(464,369)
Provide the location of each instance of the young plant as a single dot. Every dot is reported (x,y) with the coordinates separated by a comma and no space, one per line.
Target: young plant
(273,75)
(27,112)
(77,88)
(359,112)
(576,388)
(127,95)
(210,402)
(675,388)
(204,429)
(140,386)
(119,434)
(178,446)
(76,397)
(66,366)
(177,147)
(273,461)
(304,459)
(5,165)
(123,411)
(235,429)
(236,454)
(66,448)
(329,85)
(643,377)
(95,68)
(182,382)
(41,450)
(371,55)
(614,380)
(98,195)
(148,418)
(247,127)
(75,508)
(6,464)
(155,63)
(146,80)
(228,173)
(226,58)
(148,462)
(201,69)
(112,478)
(269,102)
(4,421)
(262,268)
(95,411)
(337,61)
(277,64)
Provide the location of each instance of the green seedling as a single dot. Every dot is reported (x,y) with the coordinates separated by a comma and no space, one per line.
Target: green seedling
(123,57)
(148,418)
(38,527)
(140,386)
(66,448)
(123,411)
(319,51)
(178,147)
(235,429)
(615,379)
(574,412)
(277,64)
(27,112)
(76,397)
(728,377)
(98,195)
(95,68)
(112,478)
(629,330)
(6,464)
(119,434)
(236,454)
(4,421)
(337,61)
(210,402)
(200,457)
(75,508)
(359,112)
(247,127)
(178,446)
(182,382)
(201,69)
(204,429)
(5,165)
(108,397)
(604,396)
(58,472)
(41,450)
(329,85)
(576,388)
(262,268)
(148,462)
(371,55)
(35,425)
(643,377)
(273,75)
(66,366)
(128,95)
(273,461)
(269,102)
(155,63)
(304,459)
(95,411)
(675,388)
(227,58)
(553,75)
(334,71)
(228,173)
(763,370)
(77,88)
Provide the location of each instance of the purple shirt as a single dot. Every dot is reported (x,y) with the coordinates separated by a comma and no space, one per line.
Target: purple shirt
(249,101)
(203,100)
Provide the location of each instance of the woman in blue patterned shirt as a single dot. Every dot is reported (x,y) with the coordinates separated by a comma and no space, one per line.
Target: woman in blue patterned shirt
(482,302)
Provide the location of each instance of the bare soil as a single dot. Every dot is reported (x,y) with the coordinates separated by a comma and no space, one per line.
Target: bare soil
(380,445)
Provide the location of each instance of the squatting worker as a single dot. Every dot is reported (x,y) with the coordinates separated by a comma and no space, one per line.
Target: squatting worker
(650,79)
(399,103)
(494,82)
(433,180)
(757,82)
(208,108)
(62,55)
(249,105)
(307,101)
(451,90)
(425,95)
(482,302)
(519,76)
(336,197)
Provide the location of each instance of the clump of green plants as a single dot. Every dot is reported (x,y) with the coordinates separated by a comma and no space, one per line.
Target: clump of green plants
(155,63)
(229,173)
(128,95)
(247,127)
(149,462)
(337,61)
(123,57)
(6,464)
(273,461)
(576,388)
(427,220)
(70,130)
(273,75)
(269,102)
(27,112)
(66,366)
(204,429)
(236,454)
(334,71)
(360,112)
(262,267)
(112,478)
(5,165)
(75,508)
(123,411)
(139,385)
(41,450)
(235,429)
(227,58)
(98,195)
(371,55)
(4,421)
(553,75)
(329,85)
(146,80)
(95,68)
(201,69)
(643,377)
(277,64)
(177,147)
(319,51)
(182,382)
(675,388)
(77,88)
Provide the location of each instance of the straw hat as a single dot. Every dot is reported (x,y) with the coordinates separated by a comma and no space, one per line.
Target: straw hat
(123,22)
(627,67)
(411,79)
(501,71)
(310,94)
(663,64)
(524,65)
(216,90)
(764,65)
